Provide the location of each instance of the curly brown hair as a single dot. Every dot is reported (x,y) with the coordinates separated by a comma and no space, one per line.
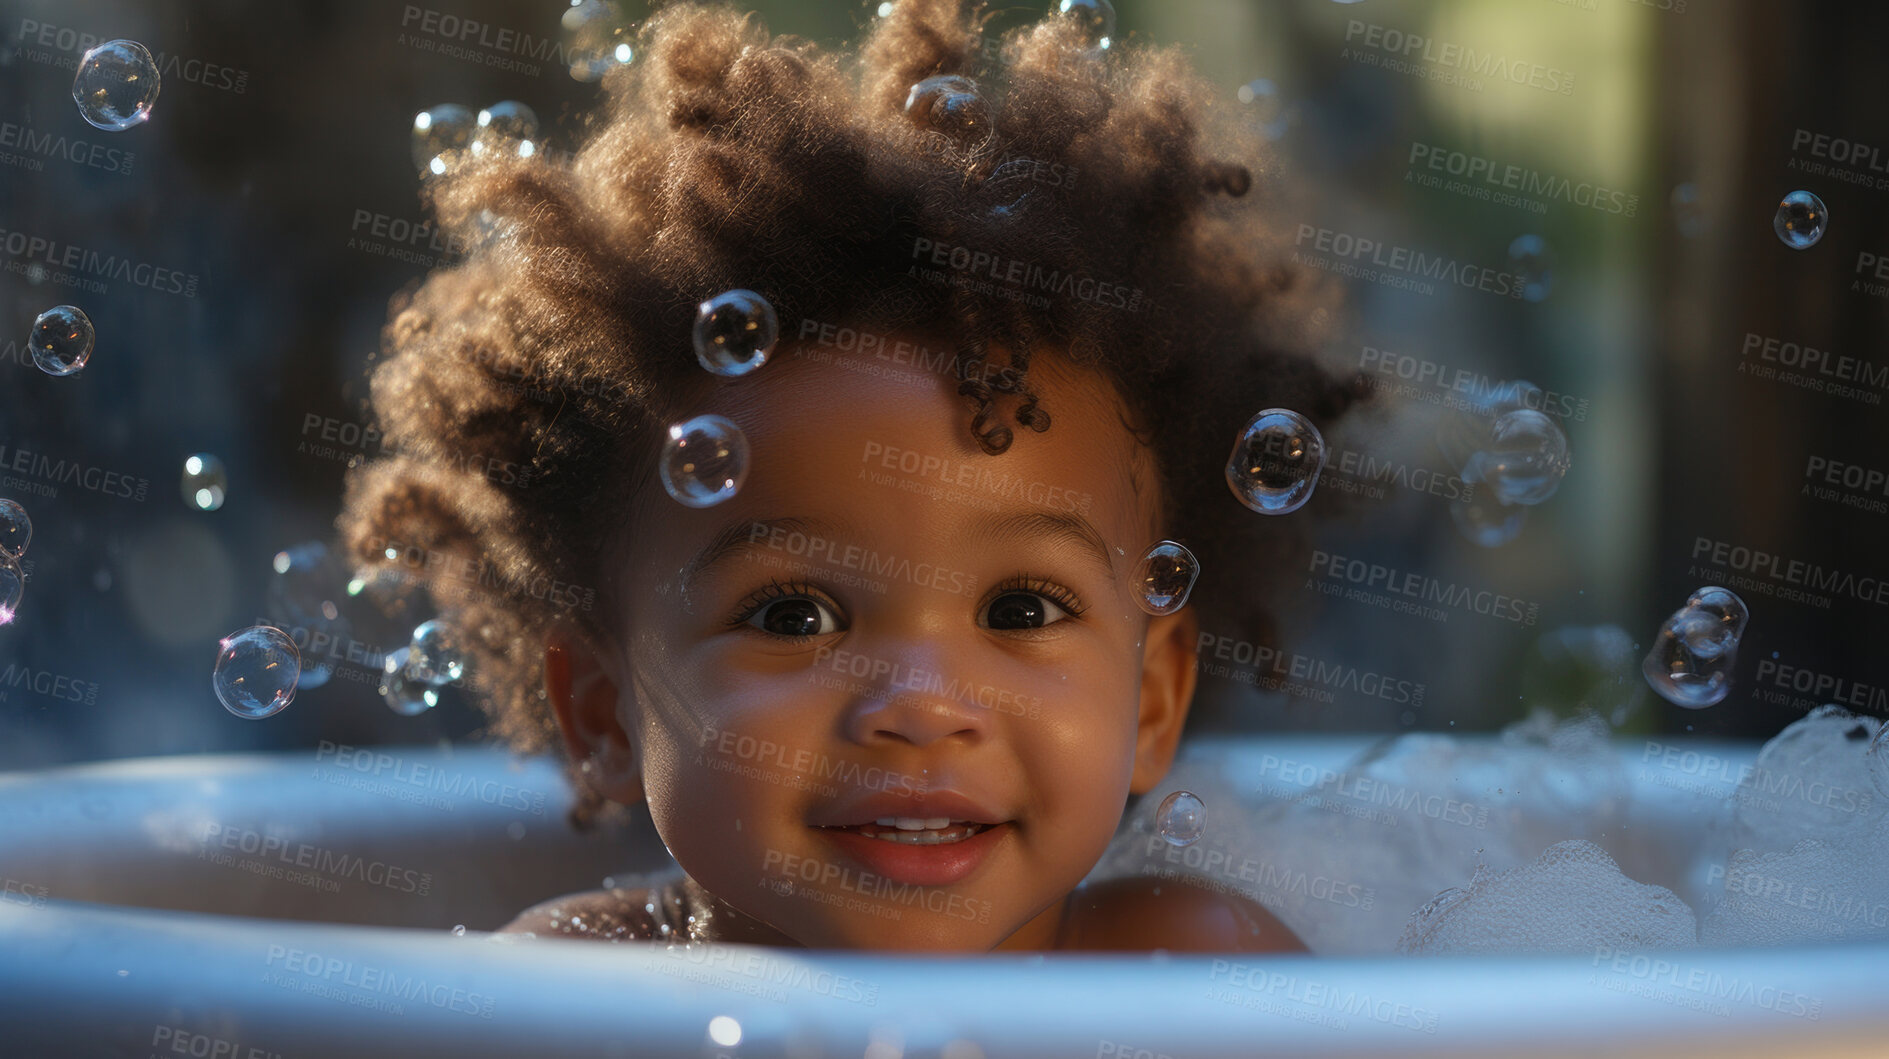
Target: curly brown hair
(559,349)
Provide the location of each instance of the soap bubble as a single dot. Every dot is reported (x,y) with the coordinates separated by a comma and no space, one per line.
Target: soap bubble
(441,134)
(1486,522)
(1529,257)
(437,657)
(1688,211)
(62,340)
(1266,107)
(505,128)
(1464,432)
(256,671)
(205,482)
(735,332)
(1095,17)
(1276,461)
(404,695)
(599,39)
(1878,758)
(303,598)
(1801,219)
(704,461)
(1183,816)
(1525,458)
(1691,661)
(1164,578)
(948,103)
(16,529)
(115,85)
(12,587)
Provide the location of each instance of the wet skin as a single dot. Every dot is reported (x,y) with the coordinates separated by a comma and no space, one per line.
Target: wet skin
(974,639)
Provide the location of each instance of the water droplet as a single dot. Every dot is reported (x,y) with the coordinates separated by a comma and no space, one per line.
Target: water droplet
(1164,577)
(735,332)
(1688,210)
(1183,816)
(1693,655)
(16,529)
(115,85)
(1095,17)
(1525,458)
(599,39)
(205,482)
(256,673)
(505,128)
(437,657)
(1486,522)
(1276,461)
(1531,260)
(1877,756)
(515,830)
(62,340)
(704,460)
(459,931)
(441,135)
(12,587)
(949,104)
(403,694)
(1266,108)
(1801,219)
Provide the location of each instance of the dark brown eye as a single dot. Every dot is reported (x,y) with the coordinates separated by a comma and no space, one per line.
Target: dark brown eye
(1022,610)
(794,616)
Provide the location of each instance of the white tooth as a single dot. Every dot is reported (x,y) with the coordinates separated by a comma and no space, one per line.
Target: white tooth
(887,821)
(933,823)
(910,823)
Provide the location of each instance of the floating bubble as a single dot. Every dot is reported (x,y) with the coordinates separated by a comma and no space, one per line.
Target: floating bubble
(115,85)
(16,529)
(599,39)
(303,599)
(1095,17)
(441,136)
(1464,433)
(1531,260)
(505,128)
(403,694)
(1691,661)
(735,332)
(1801,219)
(256,672)
(205,482)
(437,657)
(948,103)
(1183,816)
(1164,577)
(1276,461)
(62,340)
(1486,522)
(1688,210)
(12,587)
(1266,107)
(1525,460)
(704,461)
(1877,756)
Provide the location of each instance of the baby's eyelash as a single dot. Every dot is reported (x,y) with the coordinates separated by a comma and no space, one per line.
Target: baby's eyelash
(1050,590)
(773,590)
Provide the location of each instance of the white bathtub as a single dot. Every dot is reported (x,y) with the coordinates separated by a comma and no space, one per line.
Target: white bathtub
(148,908)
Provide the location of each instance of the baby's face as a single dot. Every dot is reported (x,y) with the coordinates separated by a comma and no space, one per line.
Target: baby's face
(888,624)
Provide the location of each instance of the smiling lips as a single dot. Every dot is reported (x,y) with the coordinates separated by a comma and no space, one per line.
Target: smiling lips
(932,840)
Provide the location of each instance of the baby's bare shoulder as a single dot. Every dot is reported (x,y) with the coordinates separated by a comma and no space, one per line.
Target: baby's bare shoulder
(597,915)
(1142,914)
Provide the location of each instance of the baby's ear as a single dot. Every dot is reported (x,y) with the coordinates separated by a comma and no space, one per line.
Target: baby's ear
(584,698)
(1168,676)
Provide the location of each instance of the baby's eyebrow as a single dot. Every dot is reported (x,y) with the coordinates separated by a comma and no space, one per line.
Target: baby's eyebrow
(751,533)
(1062,527)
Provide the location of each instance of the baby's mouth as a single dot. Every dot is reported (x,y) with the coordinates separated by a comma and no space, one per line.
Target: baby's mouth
(916,831)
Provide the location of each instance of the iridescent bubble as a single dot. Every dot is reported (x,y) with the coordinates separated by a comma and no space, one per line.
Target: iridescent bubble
(1485,521)
(1164,577)
(1691,661)
(1531,260)
(1266,107)
(62,340)
(1688,210)
(735,332)
(441,135)
(1182,818)
(12,587)
(205,482)
(403,694)
(599,39)
(436,656)
(949,104)
(1877,757)
(704,461)
(1095,17)
(115,85)
(1526,458)
(1801,219)
(1276,461)
(1464,433)
(505,128)
(16,529)
(303,599)
(256,672)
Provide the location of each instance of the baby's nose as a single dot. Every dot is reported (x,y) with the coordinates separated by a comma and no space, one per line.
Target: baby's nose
(917,702)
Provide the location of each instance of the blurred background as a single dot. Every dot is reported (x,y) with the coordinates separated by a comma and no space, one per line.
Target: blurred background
(1584,195)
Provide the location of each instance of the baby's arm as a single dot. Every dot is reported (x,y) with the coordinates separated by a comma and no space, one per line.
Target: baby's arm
(1142,914)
